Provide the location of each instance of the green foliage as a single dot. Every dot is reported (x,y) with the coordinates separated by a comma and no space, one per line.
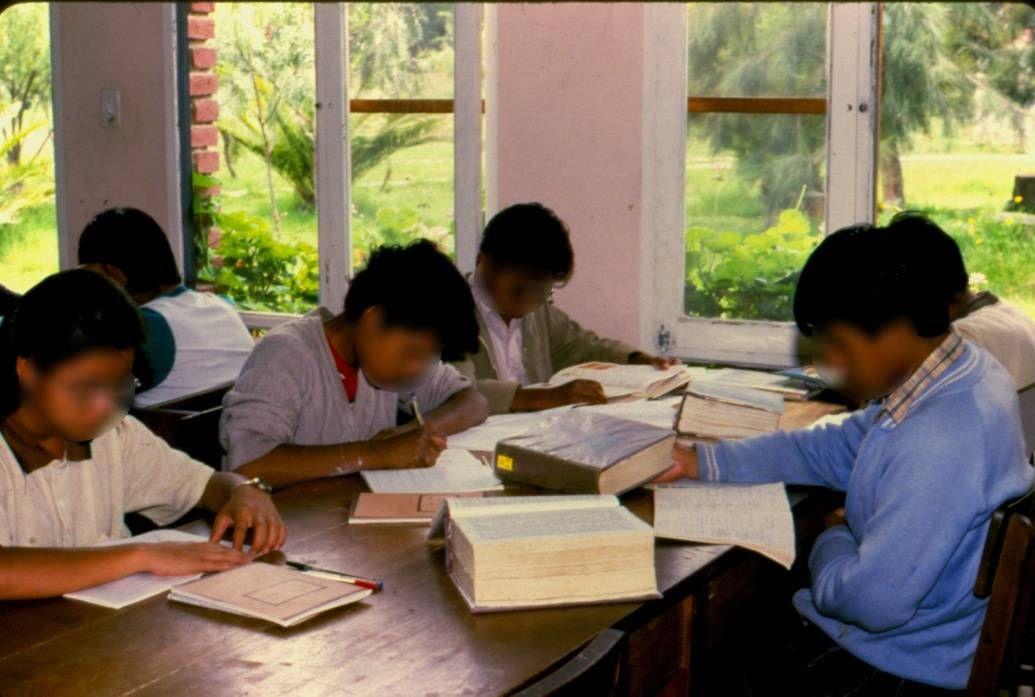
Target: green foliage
(23,184)
(747,276)
(24,69)
(395,226)
(259,272)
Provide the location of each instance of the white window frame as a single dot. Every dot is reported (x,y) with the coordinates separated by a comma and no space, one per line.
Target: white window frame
(853,70)
(333,159)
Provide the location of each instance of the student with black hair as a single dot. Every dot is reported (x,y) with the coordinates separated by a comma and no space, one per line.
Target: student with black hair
(995,325)
(72,463)
(890,609)
(523,337)
(195,341)
(321,395)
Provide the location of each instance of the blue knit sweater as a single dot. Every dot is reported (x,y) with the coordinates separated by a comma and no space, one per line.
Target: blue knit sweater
(894,586)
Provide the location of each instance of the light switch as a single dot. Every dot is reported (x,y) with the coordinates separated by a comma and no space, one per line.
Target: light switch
(111,108)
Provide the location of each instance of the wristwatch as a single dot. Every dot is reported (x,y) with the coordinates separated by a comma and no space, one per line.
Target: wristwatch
(258,482)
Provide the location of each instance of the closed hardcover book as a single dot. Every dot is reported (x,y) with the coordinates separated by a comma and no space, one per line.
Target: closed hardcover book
(581,452)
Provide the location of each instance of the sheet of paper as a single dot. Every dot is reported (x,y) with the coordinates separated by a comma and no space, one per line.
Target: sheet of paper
(654,412)
(484,437)
(755,516)
(133,589)
(456,471)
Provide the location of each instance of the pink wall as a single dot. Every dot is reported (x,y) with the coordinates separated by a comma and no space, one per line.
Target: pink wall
(124,46)
(568,133)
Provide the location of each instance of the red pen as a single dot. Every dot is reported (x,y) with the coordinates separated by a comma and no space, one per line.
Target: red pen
(371,583)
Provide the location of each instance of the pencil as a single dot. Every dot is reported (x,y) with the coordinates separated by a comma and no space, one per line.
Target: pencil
(371,583)
(417,414)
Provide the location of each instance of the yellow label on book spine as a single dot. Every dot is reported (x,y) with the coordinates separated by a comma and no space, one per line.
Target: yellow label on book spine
(505,462)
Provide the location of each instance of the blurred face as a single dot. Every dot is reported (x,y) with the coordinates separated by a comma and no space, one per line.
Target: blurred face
(869,366)
(394,358)
(515,292)
(82,397)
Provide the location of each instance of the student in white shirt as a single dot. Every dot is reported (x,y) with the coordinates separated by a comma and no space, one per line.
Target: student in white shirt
(195,341)
(995,325)
(72,464)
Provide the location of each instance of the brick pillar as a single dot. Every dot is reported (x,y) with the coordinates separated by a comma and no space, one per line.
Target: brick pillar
(202,86)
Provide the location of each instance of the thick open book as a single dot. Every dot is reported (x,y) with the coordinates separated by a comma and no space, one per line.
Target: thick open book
(626,381)
(789,386)
(506,553)
(132,589)
(713,410)
(267,592)
(584,452)
(455,471)
(754,516)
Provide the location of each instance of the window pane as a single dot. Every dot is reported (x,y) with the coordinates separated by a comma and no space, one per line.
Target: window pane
(402,164)
(957,125)
(755,182)
(266,258)
(28,227)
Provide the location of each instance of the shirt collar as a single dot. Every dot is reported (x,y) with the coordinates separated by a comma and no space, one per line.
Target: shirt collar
(898,403)
(178,290)
(979,301)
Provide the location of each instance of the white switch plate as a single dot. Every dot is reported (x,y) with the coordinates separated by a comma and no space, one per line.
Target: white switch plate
(111,108)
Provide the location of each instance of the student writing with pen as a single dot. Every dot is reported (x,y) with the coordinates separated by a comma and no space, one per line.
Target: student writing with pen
(324,395)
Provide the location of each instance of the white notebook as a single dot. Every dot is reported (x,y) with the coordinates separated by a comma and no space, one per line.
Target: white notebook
(456,471)
(132,589)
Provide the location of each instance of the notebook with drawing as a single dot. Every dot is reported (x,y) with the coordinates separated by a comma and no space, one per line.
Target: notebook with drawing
(133,589)
(267,592)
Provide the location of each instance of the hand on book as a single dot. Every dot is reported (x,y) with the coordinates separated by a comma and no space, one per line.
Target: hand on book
(684,465)
(186,558)
(659,362)
(251,509)
(416,448)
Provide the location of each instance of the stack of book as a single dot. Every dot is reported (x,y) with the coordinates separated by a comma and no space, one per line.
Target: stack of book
(713,410)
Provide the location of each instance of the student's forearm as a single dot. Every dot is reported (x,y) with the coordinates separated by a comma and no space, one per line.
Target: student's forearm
(461,411)
(290,464)
(45,573)
(219,489)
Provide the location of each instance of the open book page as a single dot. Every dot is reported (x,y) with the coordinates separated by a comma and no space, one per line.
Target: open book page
(459,508)
(756,516)
(273,593)
(485,436)
(734,394)
(132,589)
(617,379)
(551,523)
(653,412)
(757,379)
(455,471)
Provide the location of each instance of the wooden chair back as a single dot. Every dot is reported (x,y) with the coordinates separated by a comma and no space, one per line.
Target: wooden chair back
(596,669)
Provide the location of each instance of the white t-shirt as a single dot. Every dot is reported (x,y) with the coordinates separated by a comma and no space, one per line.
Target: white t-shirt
(77,504)
(1008,334)
(196,341)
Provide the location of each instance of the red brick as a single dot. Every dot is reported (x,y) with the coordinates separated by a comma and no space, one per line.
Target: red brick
(204,136)
(205,110)
(202,84)
(202,8)
(200,28)
(203,57)
(206,162)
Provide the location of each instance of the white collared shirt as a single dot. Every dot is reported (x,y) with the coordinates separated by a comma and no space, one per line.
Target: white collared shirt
(507,341)
(82,503)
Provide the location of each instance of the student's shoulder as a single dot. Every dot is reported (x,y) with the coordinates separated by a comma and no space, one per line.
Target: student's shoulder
(287,346)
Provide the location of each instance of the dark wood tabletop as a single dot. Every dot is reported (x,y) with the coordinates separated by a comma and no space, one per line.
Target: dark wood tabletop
(415,637)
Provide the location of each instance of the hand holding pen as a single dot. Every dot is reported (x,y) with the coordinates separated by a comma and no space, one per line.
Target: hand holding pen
(430,443)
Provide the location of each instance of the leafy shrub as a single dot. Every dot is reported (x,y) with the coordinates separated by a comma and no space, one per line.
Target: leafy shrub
(747,276)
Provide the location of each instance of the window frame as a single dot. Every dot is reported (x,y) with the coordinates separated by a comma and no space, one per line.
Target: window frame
(333,160)
(853,81)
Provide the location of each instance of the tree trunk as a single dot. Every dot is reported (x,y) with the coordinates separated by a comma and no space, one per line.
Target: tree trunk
(266,155)
(892,184)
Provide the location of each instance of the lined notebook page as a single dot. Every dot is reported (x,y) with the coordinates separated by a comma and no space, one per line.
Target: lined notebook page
(754,516)
(456,471)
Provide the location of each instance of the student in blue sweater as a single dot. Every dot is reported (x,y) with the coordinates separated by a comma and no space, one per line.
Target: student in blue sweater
(890,609)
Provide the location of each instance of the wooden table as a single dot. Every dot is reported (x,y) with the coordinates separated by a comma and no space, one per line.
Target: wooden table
(416,637)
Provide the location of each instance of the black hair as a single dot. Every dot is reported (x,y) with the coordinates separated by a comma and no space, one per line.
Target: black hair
(134,242)
(862,276)
(530,237)
(63,316)
(915,234)
(417,287)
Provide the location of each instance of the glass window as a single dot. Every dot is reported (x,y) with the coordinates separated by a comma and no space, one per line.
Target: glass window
(957,132)
(756,152)
(28,227)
